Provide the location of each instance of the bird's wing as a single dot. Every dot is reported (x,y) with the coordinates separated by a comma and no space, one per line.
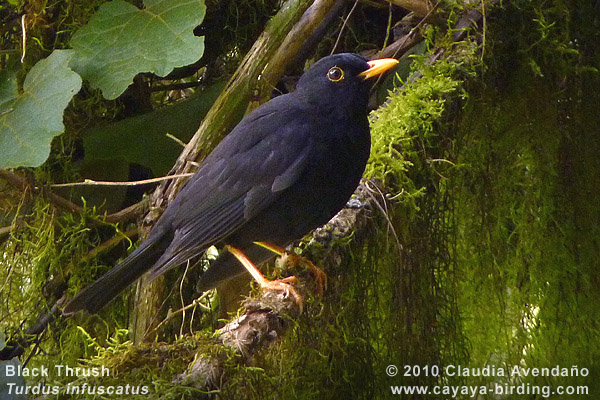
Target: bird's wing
(264,155)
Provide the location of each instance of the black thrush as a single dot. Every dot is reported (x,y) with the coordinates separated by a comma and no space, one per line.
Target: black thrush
(285,169)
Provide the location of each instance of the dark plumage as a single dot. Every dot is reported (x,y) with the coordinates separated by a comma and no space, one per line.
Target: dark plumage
(285,169)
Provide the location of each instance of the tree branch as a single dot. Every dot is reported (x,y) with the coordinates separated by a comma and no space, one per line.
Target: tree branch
(91,182)
(269,316)
(24,186)
(21,184)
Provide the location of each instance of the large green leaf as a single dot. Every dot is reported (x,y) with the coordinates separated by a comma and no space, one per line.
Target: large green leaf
(8,90)
(121,41)
(29,121)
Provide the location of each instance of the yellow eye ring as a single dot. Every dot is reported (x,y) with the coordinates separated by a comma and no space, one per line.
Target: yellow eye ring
(335,74)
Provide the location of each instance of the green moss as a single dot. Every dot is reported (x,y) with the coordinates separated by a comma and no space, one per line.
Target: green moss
(526,139)
(133,372)
(405,130)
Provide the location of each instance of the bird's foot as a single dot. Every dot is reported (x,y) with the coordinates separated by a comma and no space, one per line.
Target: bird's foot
(281,285)
(284,285)
(292,259)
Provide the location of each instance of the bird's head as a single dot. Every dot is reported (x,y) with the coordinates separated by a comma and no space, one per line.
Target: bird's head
(342,79)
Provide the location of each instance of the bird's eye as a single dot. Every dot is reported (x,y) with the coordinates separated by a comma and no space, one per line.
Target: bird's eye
(335,74)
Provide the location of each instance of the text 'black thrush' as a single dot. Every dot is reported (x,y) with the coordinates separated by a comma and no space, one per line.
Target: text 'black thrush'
(285,169)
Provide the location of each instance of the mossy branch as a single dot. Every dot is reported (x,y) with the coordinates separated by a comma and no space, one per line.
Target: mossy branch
(268,317)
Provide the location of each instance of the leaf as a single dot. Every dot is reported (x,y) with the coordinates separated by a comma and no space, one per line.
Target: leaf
(121,41)
(8,90)
(29,121)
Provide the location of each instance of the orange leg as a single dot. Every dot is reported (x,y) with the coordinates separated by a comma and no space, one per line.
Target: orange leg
(281,285)
(320,277)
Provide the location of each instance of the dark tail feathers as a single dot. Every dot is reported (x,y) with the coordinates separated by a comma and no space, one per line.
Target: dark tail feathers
(109,285)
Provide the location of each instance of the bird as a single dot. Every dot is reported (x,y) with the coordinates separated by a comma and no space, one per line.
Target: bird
(287,168)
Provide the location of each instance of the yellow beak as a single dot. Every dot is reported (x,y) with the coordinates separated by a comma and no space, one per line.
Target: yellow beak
(378,67)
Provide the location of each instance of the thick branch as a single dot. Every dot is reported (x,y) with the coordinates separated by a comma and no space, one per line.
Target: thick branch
(402,45)
(127,214)
(268,318)
(293,43)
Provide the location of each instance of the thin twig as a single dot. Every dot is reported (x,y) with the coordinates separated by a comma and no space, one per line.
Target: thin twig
(24,34)
(384,211)
(401,45)
(343,26)
(389,26)
(176,140)
(483,29)
(181,282)
(172,314)
(110,243)
(21,184)
(91,182)
(127,214)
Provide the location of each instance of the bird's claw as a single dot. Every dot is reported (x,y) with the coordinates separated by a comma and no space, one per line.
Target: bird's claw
(319,275)
(285,285)
(316,272)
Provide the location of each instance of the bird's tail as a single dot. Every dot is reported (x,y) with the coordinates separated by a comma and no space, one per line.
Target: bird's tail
(108,286)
